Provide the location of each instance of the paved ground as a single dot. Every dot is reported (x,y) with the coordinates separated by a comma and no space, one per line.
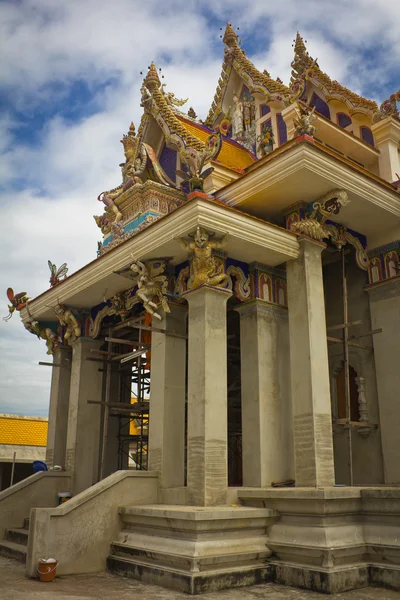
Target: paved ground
(104,586)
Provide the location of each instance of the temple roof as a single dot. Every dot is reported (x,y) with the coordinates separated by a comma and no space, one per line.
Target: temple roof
(161,108)
(232,155)
(303,62)
(255,80)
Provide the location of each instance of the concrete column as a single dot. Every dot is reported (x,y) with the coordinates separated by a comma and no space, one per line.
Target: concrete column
(387,140)
(309,368)
(207,468)
(111,454)
(58,409)
(266,411)
(83,436)
(384,301)
(167,399)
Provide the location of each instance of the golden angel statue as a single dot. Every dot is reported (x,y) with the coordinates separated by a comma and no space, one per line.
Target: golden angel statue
(206,268)
(68,320)
(152,285)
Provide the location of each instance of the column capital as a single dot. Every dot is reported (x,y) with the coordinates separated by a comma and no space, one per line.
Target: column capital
(260,307)
(386,129)
(85,340)
(225,292)
(307,242)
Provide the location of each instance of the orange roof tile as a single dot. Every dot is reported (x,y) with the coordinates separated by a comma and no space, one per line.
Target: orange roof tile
(23,431)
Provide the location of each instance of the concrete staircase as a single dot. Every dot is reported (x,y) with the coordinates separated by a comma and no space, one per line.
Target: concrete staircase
(192,549)
(15,543)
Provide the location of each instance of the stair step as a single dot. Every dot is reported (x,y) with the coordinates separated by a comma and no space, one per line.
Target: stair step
(18,536)
(13,550)
(26,523)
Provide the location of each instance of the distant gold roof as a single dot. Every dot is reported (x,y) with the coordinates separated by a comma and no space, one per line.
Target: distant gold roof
(23,431)
(231,155)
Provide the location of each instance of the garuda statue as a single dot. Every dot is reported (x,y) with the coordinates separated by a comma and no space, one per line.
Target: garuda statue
(68,320)
(206,268)
(152,285)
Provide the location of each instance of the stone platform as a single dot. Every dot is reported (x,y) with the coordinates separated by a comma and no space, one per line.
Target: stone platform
(332,539)
(193,549)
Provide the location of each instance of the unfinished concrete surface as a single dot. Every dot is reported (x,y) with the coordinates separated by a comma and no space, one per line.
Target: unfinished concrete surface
(14,586)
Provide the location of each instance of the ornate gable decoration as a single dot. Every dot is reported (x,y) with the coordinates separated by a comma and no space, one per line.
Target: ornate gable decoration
(305,68)
(256,81)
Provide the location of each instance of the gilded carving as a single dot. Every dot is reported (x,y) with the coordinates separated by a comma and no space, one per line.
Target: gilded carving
(152,284)
(119,305)
(206,269)
(304,122)
(388,108)
(67,319)
(242,284)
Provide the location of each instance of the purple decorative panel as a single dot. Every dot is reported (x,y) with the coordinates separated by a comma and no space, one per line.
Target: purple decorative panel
(343,120)
(282,131)
(264,110)
(320,106)
(367,136)
(168,162)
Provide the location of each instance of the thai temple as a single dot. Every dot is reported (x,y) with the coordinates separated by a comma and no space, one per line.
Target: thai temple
(243,311)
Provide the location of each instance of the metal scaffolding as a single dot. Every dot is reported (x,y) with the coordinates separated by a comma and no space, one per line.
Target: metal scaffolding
(348,341)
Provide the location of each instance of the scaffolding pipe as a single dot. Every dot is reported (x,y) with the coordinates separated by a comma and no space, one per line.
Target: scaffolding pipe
(106,415)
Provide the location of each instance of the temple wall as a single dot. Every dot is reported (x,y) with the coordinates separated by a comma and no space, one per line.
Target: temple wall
(367,451)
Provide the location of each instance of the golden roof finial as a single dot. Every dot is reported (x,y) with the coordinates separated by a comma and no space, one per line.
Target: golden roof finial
(152,81)
(302,60)
(230,37)
(300,47)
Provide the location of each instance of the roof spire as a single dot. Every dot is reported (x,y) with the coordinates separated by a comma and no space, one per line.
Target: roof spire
(302,60)
(300,47)
(230,37)
(152,81)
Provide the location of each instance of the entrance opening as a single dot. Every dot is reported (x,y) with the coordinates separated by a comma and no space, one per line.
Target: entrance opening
(235,477)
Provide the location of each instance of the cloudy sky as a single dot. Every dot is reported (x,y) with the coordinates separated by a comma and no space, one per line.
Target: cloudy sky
(70,79)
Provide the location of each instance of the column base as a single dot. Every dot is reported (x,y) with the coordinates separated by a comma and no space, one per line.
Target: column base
(193,549)
(174,579)
(325,581)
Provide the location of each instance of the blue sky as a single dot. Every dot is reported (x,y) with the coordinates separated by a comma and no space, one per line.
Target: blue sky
(70,79)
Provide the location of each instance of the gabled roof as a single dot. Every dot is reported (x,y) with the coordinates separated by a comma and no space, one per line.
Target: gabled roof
(304,65)
(155,103)
(256,81)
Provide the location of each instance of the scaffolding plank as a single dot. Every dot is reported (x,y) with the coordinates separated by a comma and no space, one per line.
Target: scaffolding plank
(343,326)
(48,364)
(340,341)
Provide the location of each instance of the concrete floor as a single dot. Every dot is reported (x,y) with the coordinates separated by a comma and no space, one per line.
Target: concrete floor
(104,586)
